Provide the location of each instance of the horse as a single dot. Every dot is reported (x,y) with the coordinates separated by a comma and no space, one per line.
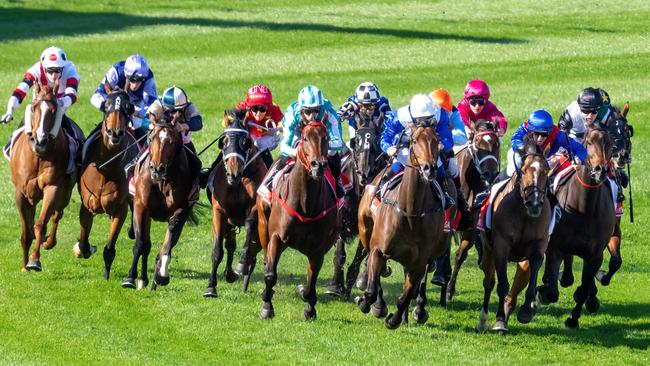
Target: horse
(233,194)
(39,160)
(103,185)
(521,218)
(407,226)
(586,225)
(363,164)
(166,189)
(478,164)
(303,214)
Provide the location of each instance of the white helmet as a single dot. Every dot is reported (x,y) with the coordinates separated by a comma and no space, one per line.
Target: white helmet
(423,106)
(174,98)
(136,65)
(53,57)
(310,96)
(367,93)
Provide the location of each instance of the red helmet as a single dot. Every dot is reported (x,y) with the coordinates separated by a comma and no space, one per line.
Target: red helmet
(477,88)
(259,95)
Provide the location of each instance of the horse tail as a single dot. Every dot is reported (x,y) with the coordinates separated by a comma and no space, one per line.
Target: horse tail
(197,211)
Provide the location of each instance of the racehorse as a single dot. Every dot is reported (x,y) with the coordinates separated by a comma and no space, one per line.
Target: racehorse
(407,227)
(39,159)
(103,184)
(521,216)
(478,164)
(233,193)
(587,223)
(166,188)
(302,215)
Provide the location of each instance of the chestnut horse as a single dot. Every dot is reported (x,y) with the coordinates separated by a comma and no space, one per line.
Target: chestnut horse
(587,223)
(521,216)
(166,189)
(407,227)
(478,164)
(233,194)
(39,160)
(103,185)
(302,215)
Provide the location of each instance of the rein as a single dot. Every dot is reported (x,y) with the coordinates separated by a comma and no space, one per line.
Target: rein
(583,183)
(474,153)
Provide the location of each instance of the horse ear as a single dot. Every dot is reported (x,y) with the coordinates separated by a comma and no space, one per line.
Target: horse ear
(55,89)
(472,125)
(152,119)
(107,87)
(221,142)
(626,108)
(228,116)
(411,126)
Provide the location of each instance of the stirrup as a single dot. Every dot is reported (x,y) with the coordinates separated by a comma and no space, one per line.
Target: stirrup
(449,201)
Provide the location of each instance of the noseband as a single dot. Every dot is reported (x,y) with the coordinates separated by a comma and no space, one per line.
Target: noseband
(473,151)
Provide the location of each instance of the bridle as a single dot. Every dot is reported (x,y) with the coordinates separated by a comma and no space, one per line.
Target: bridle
(474,153)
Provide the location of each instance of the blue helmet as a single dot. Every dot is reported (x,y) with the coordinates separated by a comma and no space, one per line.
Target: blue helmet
(540,121)
(310,96)
(174,98)
(136,65)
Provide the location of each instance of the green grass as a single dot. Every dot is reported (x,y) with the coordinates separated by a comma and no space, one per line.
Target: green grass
(534,54)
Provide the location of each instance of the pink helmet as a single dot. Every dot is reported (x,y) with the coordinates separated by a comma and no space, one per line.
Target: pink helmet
(476,88)
(259,95)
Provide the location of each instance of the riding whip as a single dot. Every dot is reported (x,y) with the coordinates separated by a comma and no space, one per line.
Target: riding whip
(122,152)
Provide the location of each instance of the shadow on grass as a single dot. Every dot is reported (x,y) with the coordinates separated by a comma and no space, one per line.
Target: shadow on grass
(21,24)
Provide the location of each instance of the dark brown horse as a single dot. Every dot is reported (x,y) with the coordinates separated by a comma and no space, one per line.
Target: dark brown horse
(233,195)
(478,164)
(521,217)
(39,159)
(166,189)
(103,185)
(587,223)
(302,215)
(406,227)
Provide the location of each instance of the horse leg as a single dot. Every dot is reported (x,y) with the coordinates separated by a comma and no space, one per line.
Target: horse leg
(412,279)
(273,251)
(141,230)
(83,249)
(615,260)
(503,286)
(488,285)
(528,309)
(117,221)
(40,228)
(567,273)
(240,269)
(50,240)
(231,244)
(353,269)
(251,248)
(522,276)
(376,262)
(336,286)
(549,292)
(217,252)
(461,256)
(379,309)
(585,289)
(27,212)
(174,230)
(308,293)
(130,232)
(420,314)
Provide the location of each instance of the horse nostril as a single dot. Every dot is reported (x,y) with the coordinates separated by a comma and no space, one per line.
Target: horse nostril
(314,164)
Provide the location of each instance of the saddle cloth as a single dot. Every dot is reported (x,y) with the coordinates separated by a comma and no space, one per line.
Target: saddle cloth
(73,147)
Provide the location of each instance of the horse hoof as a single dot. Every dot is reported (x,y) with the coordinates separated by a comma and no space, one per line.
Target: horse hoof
(602,277)
(128,283)
(525,315)
(107,274)
(387,272)
(421,316)
(33,265)
(309,315)
(388,322)
(362,304)
(571,323)
(362,283)
(334,290)
(301,292)
(566,280)
(142,284)
(77,252)
(378,311)
(50,243)
(131,233)
(210,292)
(267,312)
(160,280)
(500,326)
(239,268)
(230,276)
(438,280)
(592,304)
(482,327)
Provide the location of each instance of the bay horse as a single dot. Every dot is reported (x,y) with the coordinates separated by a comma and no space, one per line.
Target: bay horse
(478,164)
(39,159)
(103,185)
(521,217)
(233,194)
(302,215)
(406,227)
(587,223)
(166,189)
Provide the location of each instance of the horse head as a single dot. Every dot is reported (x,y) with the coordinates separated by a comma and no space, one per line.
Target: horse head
(235,145)
(423,149)
(533,177)
(165,146)
(118,108)
(367,153)
(621,133)
(599,152)
(42,115)
(485,149)
(312,151)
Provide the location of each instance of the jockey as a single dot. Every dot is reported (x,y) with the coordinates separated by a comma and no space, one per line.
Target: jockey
(311,107)
(366,105)
(136,79)
(264,118)
(421,109)
(476,106)
(52,66)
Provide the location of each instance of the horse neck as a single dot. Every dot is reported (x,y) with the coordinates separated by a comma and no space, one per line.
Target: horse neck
(305,192)
(414,191)
(588,197)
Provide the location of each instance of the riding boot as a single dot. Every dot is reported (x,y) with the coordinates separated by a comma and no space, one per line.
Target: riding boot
(465,219)
(442,272)
(277,167)
(442,181)
(388,175)
(334,163)
(205,173)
